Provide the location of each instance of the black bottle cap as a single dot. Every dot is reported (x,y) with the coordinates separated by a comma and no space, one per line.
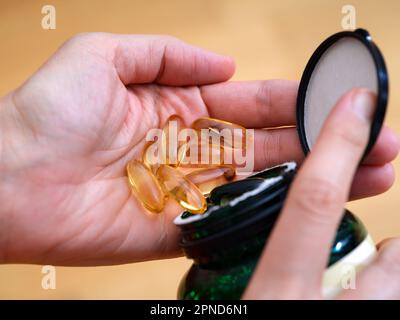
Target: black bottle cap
(345,60)
(253,210)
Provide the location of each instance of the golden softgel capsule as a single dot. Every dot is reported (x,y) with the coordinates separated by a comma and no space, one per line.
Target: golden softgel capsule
(185,192)
(145,186)
(209,178)
(151,156)
(165,149)
(170,142)
(230,134)
(158,176)
(200,154)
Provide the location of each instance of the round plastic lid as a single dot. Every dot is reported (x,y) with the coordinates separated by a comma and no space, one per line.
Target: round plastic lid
(344,61)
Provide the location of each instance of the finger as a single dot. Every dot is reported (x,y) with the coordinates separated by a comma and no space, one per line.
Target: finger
(166,60)
(253,104)
(276,146)
(272,103)
(372,180)
(385,149)
(380,280)
(314,205)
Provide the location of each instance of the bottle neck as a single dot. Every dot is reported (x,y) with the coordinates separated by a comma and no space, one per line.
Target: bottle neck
(351,232)
(249,249)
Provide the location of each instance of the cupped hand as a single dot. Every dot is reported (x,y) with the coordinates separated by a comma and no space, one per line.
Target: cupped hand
(68,132)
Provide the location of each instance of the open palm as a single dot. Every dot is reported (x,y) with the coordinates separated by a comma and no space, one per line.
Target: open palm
(69,131)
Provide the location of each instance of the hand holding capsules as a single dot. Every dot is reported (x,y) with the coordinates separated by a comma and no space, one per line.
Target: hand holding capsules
(68,132)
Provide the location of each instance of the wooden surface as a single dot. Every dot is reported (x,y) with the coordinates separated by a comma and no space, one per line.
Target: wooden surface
(269,39)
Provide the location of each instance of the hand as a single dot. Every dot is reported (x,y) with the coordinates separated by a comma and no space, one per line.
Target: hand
(295,257)
(68,132)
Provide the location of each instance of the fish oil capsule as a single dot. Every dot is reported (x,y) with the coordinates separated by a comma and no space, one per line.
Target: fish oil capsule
(151,156)
(182,189)
(170,143)
(208,178)
(164,150)
(231,134)
(145,186)
(200,154)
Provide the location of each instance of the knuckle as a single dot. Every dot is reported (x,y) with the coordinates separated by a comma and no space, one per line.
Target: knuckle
(272,148)
(349,134)
(316,198)
(263,99)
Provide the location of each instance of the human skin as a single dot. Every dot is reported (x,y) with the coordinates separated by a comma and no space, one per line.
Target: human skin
(69,130)
(293,262)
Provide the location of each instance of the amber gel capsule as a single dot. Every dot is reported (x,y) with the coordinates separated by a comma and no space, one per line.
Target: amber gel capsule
(200,154)
(170,143)
(164,151)
(216,127)
(208,178)
(145,186)
(151,157)
(182,189)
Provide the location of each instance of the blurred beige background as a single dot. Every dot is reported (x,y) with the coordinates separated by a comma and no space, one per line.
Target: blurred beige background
(269,39)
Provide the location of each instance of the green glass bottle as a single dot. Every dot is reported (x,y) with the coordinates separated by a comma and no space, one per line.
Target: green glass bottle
(226,241)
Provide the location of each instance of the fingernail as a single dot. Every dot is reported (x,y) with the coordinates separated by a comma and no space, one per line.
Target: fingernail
(364,104)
